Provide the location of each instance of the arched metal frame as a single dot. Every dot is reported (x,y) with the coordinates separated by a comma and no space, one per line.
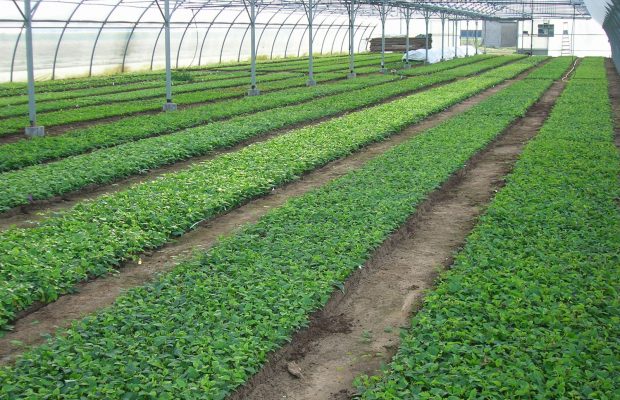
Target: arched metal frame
(103,24)
(161,29)
(19,36)
(479,10)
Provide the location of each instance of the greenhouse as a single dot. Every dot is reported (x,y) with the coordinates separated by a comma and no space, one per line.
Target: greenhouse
(310,199)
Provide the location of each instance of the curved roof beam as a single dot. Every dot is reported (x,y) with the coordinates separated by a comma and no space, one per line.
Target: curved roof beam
(103,24)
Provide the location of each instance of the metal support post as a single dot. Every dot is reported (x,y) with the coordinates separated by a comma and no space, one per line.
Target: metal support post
(351,7)
(476,37)
(443,27)
(383,15)
(310,14)
(407,14)
(32,130)
(456,54)
(517,39)
(572,34)
(468,33)
(426,18)
(169,105)
(253,91)
(532,38)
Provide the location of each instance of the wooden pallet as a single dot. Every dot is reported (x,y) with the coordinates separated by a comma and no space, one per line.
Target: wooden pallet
(397,43)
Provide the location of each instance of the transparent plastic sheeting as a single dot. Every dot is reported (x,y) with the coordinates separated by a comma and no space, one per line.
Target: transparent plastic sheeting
(611,25)
(90,37)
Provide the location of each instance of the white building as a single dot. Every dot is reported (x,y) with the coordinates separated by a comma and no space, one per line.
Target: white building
(557,37)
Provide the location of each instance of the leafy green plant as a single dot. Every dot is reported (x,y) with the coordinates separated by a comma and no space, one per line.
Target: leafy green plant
(45,261)
(203,329)
(530,308)
(235,88)
(29,152)
(106,165)
(60,85)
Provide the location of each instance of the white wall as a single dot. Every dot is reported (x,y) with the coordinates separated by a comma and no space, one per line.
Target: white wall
(589,37)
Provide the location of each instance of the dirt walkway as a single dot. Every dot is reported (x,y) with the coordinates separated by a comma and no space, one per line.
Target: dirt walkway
(359,331)
(101,292)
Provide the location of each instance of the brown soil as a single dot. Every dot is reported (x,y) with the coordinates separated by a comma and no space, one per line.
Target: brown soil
(380,298)
(28,215)
(93,295)
(614,94)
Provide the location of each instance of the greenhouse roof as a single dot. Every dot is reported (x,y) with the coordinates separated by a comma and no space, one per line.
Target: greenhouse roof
(138,10)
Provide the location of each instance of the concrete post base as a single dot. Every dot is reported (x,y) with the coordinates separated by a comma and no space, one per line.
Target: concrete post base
(407,66)
(383,70)
(35,131)
(311,82)
(351,75)
(253,92)
(170,107)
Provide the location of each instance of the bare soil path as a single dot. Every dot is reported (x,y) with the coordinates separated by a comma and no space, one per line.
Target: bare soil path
(359,331)
(34,323)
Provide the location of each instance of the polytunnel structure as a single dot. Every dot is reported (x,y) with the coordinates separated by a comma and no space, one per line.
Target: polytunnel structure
(89,37)
(309,199)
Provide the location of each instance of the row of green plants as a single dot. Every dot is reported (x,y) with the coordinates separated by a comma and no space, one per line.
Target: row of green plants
(561,64)
(32,151)
(107,165)
(233,85)
(19,88)
(45,261)
(213,79)
(203,329)
(390,58)
(456,62)
(29,152)
(45,97)
(65,112)
(530,309)
(157,86)
(59,117)
(303,63)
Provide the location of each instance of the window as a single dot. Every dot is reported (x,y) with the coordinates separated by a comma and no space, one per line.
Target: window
(471,34)
(545,30)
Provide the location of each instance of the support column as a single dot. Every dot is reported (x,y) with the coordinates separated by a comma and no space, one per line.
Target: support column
(468,32)
(253,91)
(443,27)
(517,39)
(32,130)
(310,14)
(383,15)
(456,29)
(476,38)
(532,38)
(351,7)
(407,13)
(426,18)
(169,105)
